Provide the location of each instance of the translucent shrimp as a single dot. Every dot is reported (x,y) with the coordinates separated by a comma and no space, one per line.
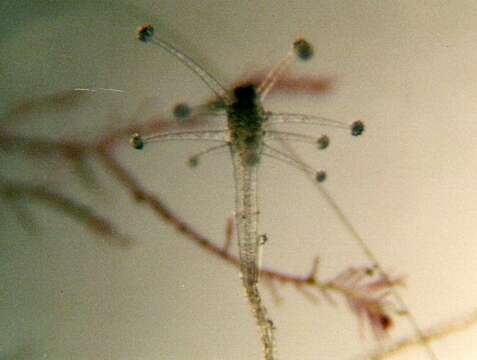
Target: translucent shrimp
(247,133)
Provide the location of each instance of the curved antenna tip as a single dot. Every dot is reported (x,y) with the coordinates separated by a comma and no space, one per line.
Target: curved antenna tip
(303,49)
(323,142)
(182,111)
(357,128)
(136,141)
(145,33)
(193,161)
(320,176)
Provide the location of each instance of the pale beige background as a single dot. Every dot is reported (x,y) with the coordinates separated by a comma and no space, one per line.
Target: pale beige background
(408,185)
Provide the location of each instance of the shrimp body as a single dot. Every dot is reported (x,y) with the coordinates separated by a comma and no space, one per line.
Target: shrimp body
(245,117)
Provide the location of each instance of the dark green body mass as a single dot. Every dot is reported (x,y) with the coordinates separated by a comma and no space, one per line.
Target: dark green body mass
(245,119)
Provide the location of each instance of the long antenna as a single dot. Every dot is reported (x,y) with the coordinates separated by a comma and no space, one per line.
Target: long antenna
(357,129)
(301,50)
(146,34)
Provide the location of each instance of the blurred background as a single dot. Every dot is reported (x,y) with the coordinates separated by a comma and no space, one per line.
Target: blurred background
(408,70)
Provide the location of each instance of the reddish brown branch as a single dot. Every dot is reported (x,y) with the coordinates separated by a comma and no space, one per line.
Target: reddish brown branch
(141,195)
(292,85)
(103,151)
(68,206)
